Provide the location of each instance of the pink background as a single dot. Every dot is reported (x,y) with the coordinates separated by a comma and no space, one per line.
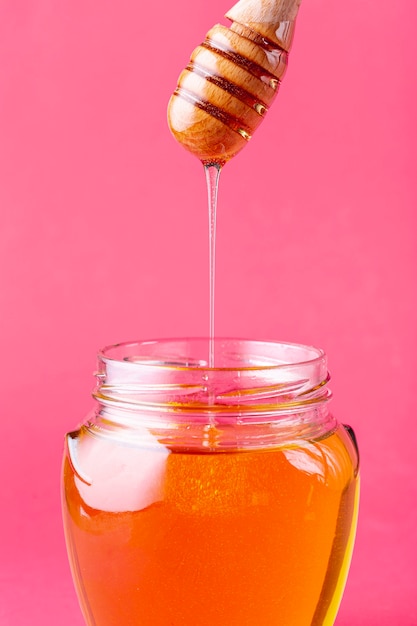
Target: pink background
(103,238)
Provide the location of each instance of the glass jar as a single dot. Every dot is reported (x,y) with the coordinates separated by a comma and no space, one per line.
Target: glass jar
(195,496)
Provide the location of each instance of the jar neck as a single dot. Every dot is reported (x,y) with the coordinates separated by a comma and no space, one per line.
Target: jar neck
(256,387)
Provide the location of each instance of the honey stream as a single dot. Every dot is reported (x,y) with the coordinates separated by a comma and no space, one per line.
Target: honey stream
(212,172)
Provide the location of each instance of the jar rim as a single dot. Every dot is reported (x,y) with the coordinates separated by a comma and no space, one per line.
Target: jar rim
(253,382)
(235,354)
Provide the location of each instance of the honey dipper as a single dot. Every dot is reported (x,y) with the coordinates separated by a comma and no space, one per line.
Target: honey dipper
(232,78)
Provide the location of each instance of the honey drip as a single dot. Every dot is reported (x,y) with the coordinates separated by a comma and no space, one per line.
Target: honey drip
(212,179)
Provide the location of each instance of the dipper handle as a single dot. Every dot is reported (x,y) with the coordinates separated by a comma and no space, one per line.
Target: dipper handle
(232,79)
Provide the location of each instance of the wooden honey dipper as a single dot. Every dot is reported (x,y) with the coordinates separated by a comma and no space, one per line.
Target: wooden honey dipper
(232,78)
